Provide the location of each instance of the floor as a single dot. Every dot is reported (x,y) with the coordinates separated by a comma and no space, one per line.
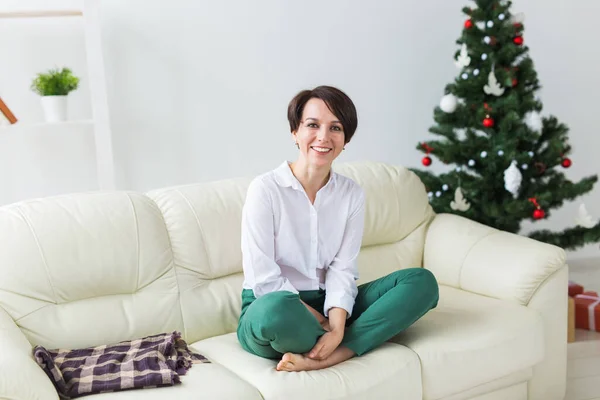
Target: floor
(583,365)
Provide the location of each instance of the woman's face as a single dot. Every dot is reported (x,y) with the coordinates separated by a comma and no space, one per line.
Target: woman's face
(320,135)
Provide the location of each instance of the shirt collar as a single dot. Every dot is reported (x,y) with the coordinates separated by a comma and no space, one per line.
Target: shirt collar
(285,178)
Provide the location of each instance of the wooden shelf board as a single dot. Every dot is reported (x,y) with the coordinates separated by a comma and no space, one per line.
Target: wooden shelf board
(41,14)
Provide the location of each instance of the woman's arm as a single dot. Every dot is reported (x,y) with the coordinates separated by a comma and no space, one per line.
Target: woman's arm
(258,243)
(342,273)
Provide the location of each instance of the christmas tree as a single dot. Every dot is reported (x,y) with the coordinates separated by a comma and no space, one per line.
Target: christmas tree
(510,161)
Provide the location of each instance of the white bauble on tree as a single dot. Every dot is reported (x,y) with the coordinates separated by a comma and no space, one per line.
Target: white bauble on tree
(448,103)
(512,179)
(533,120)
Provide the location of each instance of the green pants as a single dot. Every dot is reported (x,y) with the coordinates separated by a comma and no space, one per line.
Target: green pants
(278,322)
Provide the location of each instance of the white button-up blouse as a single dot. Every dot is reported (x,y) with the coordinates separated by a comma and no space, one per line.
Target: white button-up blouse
(290,244)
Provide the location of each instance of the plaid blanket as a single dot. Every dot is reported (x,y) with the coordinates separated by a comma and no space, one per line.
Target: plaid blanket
(153,361)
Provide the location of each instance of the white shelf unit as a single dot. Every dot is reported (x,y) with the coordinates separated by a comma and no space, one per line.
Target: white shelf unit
(42,159)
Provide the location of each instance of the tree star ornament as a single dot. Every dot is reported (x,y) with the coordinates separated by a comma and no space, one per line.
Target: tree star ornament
(459,203)
(584,219)
(533,120)
(513,179)
(493,87)
(463,59)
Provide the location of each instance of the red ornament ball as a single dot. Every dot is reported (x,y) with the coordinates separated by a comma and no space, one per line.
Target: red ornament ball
(518,40)
(426,161)
(539,214)
(514,82)
(566,162)
(488,122)
(468,24)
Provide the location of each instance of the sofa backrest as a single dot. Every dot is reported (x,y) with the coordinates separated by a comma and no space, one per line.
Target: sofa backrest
(87,269)
(96,268)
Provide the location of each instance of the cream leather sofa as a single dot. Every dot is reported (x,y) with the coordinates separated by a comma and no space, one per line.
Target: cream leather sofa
(96,268)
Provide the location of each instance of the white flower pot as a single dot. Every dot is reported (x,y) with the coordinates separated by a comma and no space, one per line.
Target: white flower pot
(55,108)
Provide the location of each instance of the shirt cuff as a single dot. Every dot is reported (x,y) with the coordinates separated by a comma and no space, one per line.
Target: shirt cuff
(340,300)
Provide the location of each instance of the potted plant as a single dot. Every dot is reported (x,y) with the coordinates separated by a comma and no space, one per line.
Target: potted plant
(54,86)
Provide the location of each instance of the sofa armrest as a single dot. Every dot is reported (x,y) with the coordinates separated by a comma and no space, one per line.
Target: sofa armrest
(480,259)
(20,376)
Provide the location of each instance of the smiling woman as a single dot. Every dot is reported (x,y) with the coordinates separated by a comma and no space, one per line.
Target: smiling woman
(302,227)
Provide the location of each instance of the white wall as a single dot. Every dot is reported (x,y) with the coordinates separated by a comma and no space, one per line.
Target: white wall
(198,89)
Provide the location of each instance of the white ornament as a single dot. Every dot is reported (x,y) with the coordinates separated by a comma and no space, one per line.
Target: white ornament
(512,179)
(533,120)
(471,163)
(493,87)
(483,154)
(517,18)
(465,75)
(584,219)
(459,203)
(501,17)
(524,166)
(463,59)
(458,169)
(430,194)
(448,103)
(475,72)
(484,56)
(438,193)
(480,25)
(445,187)
(487,40)
(490,24)
(531,154)
(500,153)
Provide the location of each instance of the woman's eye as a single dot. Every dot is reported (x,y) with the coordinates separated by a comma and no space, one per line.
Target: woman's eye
(311,125)
(336,128)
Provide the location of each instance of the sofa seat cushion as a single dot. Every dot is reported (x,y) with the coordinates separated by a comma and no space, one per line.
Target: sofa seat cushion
(202,381)
(392,371)
(469,340)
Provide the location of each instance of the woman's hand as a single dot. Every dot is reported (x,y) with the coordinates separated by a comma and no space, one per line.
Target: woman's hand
(326,345)
(333,337)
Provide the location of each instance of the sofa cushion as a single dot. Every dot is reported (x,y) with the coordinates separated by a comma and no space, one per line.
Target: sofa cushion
(391,371)
(469,340)
(87,269)
(202,381)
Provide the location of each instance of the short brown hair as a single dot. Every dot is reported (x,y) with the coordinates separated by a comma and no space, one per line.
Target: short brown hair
(337,101)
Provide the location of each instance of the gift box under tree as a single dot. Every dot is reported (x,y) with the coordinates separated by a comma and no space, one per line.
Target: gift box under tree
(587,311)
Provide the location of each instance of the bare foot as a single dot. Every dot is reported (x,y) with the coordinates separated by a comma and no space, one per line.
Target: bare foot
(298,362)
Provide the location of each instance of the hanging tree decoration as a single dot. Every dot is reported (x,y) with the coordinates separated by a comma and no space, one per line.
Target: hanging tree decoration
(533,120)
(493,86)
(513,179)
(584,219)
(488,121)
(459,203)
(448,103)
(426,160)
(538,213)
(463,59)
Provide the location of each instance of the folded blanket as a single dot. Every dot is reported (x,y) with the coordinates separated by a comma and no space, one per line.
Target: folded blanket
(153,361)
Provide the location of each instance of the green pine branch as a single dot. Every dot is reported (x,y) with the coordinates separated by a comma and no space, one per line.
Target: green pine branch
(570,238)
